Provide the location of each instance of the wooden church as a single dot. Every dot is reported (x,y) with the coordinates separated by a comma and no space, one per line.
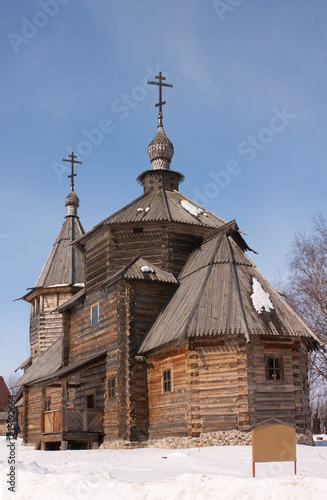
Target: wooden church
(155,323)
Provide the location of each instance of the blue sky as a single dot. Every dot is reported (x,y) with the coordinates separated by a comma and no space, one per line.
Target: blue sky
(247,117)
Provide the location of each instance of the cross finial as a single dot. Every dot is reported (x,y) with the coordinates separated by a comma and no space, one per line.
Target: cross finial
(72,161)
(161,84)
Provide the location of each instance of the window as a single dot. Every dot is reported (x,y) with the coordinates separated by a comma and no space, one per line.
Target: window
(90,401)
(47,404)
(95,314)
(274,368)
(166,380)
(111,388)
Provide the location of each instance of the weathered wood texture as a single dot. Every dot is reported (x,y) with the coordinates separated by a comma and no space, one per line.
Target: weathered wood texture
(45,324)
(91,382)
(168,411)
(87,339)
(286,399)
(167,246)
(84,420)
(218,384)
(33,400)
(221,384)
(21,419)
(96,259)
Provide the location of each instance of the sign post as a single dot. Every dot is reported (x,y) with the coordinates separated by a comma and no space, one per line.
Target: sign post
(273,442)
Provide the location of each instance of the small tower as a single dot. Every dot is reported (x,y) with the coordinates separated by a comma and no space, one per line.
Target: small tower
(61,277)
(160,151)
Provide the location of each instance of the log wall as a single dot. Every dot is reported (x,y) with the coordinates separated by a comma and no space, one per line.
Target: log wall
(218,381)
(33,402)
(168,411)
(87,339)
(286,399)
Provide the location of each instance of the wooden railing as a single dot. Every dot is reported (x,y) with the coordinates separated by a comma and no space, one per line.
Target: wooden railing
(77,420)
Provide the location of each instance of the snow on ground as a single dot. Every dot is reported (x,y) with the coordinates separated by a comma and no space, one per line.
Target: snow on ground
(223,473)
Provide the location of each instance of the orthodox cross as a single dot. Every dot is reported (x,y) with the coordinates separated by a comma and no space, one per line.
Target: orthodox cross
(72,161)
(161,84)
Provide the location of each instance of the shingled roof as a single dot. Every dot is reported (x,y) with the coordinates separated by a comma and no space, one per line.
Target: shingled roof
(46,363)
(161,205)
(141,269)
(65,265)
(215,297)
(48,366)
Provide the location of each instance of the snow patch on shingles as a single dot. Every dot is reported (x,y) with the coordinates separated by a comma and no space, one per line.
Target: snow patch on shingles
(260,299)
(140,209)
(147,269)
(192,209)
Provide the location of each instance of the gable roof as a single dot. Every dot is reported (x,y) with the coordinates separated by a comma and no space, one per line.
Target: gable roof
(214,298)
(139,269)
(4,394)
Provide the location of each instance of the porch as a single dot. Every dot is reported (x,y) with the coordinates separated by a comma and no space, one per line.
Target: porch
(69,426)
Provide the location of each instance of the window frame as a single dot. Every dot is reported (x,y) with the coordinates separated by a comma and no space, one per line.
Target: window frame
(93,307)
(274,356)
(111,388)
(165,381)
(47,403)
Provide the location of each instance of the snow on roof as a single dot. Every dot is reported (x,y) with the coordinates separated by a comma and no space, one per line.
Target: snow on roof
(140,209)
(192,209)
(147,269)
(260,299)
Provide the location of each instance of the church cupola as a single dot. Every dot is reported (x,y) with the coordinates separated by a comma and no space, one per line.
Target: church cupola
(72,203)
(160,151)
(72,200)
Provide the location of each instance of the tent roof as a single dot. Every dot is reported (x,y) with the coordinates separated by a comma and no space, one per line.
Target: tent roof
(215,298)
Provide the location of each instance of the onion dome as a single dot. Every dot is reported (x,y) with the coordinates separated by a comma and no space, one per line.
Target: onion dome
(72,203)
(160,150)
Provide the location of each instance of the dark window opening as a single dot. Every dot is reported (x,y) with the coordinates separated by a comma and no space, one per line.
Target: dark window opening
(111,388)
(95,315)
(90,401)
(274,368)
(138,230)
(167,381)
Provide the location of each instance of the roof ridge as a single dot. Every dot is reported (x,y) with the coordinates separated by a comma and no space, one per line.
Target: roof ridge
(166,204)
(239,294)
(197,300)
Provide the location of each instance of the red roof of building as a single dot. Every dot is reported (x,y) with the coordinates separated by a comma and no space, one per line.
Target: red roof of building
(4,393)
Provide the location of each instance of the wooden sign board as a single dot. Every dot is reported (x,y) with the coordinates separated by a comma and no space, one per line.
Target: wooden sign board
(273,443)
